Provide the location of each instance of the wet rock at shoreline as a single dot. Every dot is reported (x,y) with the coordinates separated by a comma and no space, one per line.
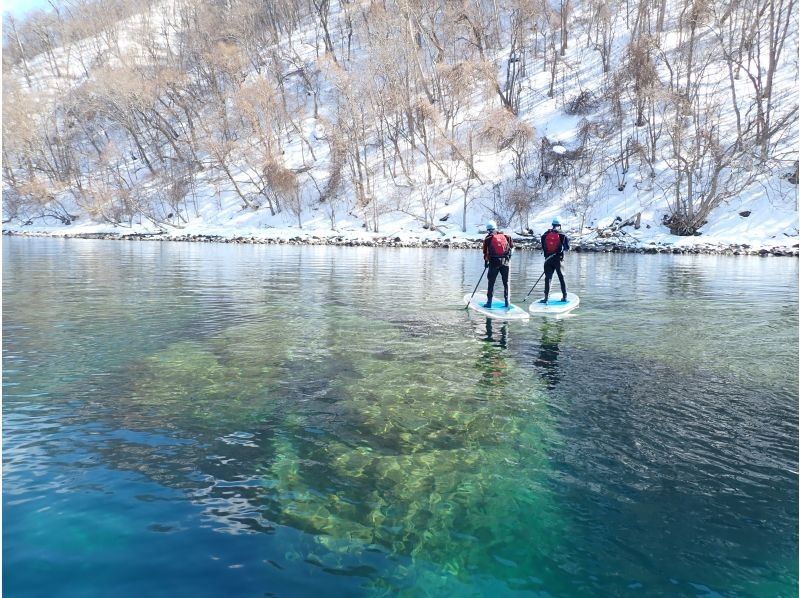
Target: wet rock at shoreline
(605,245)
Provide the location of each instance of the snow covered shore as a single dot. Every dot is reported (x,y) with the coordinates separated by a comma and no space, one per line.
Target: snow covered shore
(605,242)
(277,135)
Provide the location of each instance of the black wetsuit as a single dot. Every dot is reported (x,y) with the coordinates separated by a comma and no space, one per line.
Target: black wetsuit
(554,264)
(496,265)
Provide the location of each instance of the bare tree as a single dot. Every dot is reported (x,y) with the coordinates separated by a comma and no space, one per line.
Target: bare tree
(506,132)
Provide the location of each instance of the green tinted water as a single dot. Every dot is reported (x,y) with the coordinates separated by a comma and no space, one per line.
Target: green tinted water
(276,420)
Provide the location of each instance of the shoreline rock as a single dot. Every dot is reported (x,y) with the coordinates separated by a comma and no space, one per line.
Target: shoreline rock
(606,245)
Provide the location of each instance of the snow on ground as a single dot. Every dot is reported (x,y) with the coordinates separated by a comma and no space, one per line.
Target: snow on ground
(764,216)
(776,228)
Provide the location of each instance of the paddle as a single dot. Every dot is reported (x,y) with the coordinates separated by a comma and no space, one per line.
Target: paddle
(537,282)
(476,287)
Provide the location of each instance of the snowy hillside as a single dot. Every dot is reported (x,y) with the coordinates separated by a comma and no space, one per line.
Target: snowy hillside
(405,119)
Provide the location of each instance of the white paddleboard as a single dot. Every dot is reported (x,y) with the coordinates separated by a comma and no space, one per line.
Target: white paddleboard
(498,311)
(554,305)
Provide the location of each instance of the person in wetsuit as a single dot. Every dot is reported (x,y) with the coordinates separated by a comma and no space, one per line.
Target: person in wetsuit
(497,248)
(554,244)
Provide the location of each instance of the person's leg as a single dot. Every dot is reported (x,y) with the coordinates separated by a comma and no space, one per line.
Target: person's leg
(504,273)
(491,277)
(561,280)
(548,274)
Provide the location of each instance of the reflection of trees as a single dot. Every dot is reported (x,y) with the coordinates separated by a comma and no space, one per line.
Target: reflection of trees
(684,280)
(101,317)
(96,310)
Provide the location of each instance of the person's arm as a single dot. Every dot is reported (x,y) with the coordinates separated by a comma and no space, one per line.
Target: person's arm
(564,242)
(486,250)
(541,240)
(510,245)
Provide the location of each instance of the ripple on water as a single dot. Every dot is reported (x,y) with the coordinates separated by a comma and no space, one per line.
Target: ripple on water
(349,429)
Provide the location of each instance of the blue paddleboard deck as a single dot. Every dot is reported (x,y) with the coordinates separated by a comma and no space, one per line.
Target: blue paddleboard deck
(498,310)
(554,305)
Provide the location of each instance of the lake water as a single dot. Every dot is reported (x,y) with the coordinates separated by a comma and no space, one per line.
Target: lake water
(220,420)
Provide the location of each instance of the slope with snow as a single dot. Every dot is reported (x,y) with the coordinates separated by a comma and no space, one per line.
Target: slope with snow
(763,214)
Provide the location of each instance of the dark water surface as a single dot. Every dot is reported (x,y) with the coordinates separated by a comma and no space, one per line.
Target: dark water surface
(214,420)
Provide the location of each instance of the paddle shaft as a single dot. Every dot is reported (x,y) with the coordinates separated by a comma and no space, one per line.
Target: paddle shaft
(476,287)
(537,282)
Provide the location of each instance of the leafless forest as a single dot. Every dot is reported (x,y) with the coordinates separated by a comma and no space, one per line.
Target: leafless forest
(119,110)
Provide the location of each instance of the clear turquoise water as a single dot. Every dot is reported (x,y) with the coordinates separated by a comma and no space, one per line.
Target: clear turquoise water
(215,420)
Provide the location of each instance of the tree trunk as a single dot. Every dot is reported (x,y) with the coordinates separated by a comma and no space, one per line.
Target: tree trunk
(25,67)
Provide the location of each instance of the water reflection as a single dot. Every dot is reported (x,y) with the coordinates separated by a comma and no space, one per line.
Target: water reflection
(340,416)
(495,336)
(685,280)
(492,360)
(552,331)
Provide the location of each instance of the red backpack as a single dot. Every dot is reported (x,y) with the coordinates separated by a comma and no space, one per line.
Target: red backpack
(498,245)
(552,242)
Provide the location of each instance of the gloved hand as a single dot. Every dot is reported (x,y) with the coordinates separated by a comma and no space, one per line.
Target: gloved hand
(485,264)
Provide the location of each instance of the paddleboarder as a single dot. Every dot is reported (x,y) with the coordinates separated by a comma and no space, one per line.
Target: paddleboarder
(497,248)
(554,244)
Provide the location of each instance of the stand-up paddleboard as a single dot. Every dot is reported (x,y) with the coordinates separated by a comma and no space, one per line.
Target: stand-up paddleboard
(555,305)
(498,311)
